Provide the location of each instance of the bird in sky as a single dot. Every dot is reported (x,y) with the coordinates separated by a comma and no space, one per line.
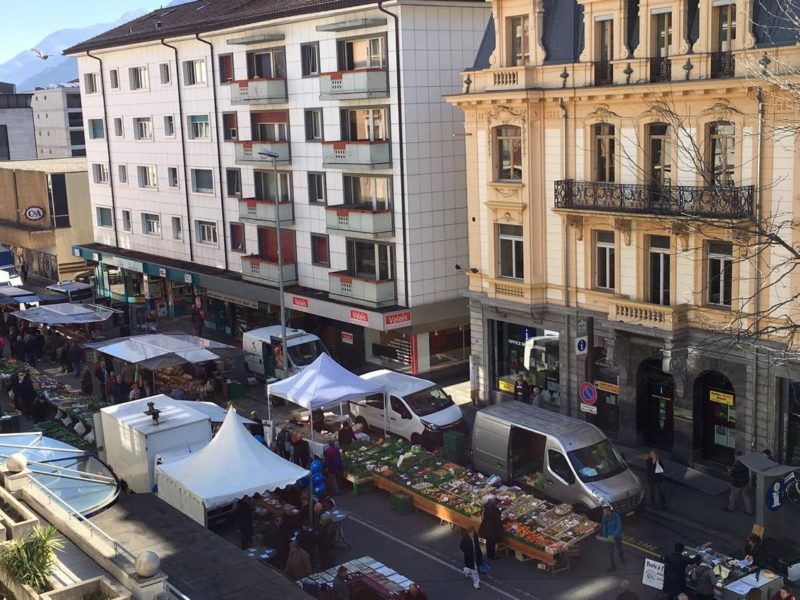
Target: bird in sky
(40,54)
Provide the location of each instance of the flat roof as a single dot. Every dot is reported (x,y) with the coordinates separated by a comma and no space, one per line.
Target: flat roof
(48,165)
(174,413)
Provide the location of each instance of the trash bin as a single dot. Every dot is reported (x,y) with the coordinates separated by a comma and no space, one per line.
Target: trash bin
(236,390)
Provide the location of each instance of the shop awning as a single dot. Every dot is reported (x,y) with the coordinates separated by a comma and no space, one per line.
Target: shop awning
(157,351)
(65,314)
(19,299)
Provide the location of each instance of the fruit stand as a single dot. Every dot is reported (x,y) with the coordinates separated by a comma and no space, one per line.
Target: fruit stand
(535,528)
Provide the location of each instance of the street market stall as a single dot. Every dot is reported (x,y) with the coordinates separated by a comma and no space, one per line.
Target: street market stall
(365,572)
(65,314)
(735,578)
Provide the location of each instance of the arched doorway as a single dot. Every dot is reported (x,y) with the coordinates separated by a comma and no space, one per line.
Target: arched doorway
(715,406)
(655,393)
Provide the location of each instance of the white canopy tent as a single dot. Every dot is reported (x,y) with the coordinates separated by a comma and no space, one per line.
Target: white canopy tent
(155,351)
(66,314)
(231,466)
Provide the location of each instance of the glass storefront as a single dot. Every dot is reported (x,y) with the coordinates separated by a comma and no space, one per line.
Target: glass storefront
(529,351)
(448,347)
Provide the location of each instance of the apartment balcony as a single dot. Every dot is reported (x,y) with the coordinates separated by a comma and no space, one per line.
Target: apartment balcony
(354,85)
(603,73)
(264,90)
(360,221)
(261,211)
(255,152)
(364,292)
(652,316)
(265,270)
(723,65)
(660,69)
(361,154)
(675,200)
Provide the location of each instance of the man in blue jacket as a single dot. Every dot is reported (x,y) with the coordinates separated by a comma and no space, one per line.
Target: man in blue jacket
(611,533)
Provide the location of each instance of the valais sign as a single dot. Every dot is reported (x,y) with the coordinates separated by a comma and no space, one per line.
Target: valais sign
(299,303)
(359,317)
(397,320)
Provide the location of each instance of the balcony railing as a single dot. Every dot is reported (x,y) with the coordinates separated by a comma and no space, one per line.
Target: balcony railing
(603,73)
(259,209)
(652,316)
(660,69)
(263,90)
(723,65)
(361,220)
(356,153)
(249,152)
(265,270)
(350,85)
(357,290)
(679,200)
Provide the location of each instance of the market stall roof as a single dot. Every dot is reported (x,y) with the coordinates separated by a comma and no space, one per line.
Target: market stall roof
(65,314)
(215,412)
(156,351)
(323,383)
(233,464)
(10,294)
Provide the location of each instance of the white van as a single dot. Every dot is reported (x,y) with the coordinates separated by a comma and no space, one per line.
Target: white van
(261,346)
(419,410)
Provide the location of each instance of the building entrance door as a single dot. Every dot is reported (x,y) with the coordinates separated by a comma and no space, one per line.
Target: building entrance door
(655,401)
(715,394)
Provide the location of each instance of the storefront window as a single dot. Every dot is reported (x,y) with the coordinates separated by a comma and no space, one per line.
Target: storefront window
(448,346)
(530,351)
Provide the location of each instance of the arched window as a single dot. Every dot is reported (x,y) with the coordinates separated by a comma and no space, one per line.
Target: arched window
(508,140)
(721,168)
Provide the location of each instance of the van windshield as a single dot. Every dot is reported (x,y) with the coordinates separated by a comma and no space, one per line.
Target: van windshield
(305,353)
(428,401)
(596,462)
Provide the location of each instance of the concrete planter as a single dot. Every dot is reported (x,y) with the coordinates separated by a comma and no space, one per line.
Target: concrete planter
(99,587)
(21,522)
(20,590)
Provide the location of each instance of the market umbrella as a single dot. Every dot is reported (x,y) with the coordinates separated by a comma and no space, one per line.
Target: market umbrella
(65,314)
(156,351)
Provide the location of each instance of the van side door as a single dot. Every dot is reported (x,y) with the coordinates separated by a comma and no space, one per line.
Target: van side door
(559,478)
(490,447)
(401,419)
(371,409)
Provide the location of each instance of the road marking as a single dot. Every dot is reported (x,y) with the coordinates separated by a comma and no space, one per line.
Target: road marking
(444,563)
(641,546)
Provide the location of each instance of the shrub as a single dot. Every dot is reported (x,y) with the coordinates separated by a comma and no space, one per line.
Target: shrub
(30,559)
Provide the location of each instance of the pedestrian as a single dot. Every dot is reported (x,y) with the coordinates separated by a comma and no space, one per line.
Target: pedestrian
(740,477)
(675,571)
(767,453)
(87,386)
(346,435)
(76,355)
(491,528)
(522,390)
(27,394)
(298,565)
(328,535)
(198,320)
(611,533)
(284,439)
(753,550)
(626,593)
(135,393)
(339,587)
(471,548)
(538,397)
(655,477)
(301,451)
(332,459)
(785,593)
(705,582)
(23,271)
(244,514)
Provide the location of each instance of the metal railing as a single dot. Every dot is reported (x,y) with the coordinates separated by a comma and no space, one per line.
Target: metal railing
(723,65)
(712,202)
(660,69)
(603,73)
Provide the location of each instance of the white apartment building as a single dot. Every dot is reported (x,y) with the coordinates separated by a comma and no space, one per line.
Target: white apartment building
(17,140)
(185,110)
(58,120)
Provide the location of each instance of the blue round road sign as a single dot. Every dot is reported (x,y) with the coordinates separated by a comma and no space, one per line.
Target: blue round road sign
(588,393)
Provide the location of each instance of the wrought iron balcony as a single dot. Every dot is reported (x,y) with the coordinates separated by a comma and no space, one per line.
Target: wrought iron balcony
(677,200)
(603,73)
(723,65)
(660,69)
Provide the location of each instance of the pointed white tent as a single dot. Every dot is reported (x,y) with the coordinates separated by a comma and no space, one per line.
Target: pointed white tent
(231,466)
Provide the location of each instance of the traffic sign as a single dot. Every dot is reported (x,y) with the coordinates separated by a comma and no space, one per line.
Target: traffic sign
(776,495)
(581,345)
(588,393)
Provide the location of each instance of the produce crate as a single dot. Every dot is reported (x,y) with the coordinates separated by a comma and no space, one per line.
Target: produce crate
(401,503)
(455,446)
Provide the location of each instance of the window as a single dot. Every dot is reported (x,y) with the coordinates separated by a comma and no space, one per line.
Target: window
(139,78)
(520,54)
(169,126)
(206,232)
(230,126)
(226,68)
(604,152)
(91,83)
(309,56)
(369,192)
(199,127)
(5,151)
(605,40)
(317,190)
(721,153)
(237,237)
(659,264)
(365,124)
(147,176)
(560,467)
(266,187)
(143,128)
(267,64)
(100,173)
(266,129)
(105,217)
(73,101)
(720,273)
(314,124)
(172,176)
(509,153)
(364,53)
(659,154)
(151,224)
(605,263)
(370,261)
(177,228)
(119,128)
(233,178)
(512,260)
(76,138)
(126,221)
(113,78)
(663,34)
(165,74)
(194,72)
(319,250)
(74,118)
(725,17)
(122,172)
(203,181)
(96,129)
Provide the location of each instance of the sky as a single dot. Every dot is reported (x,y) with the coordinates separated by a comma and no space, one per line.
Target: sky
(25,22)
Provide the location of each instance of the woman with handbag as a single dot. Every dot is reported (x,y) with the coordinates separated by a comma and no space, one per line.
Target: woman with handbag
(471,548)
(655,477)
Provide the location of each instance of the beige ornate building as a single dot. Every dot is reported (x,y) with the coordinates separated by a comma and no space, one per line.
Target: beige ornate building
(619,157)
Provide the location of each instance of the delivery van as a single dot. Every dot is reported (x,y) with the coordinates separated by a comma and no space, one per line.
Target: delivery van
(8,272)
(419,410)
(262,350)
(75,292)
(565,459)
